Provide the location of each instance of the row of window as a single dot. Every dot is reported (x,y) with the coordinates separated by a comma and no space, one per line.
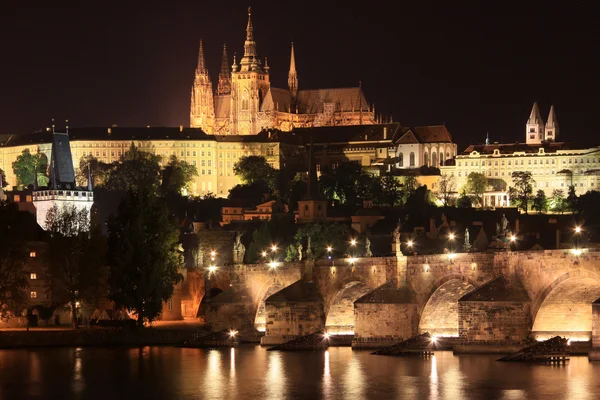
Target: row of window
(529,162)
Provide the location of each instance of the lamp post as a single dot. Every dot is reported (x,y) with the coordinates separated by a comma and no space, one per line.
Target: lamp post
(578,231)
(329,255)
(451,238)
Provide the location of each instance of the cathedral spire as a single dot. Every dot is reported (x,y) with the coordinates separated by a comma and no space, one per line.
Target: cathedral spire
(535,115)
(250,61)
(535,126)
(293,75)
(224,86)
(201,68)
(551,132)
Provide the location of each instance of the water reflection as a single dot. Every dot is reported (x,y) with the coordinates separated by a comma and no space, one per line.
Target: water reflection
(354,380)
(433,380)
(213,386)
(326,377)
(275,377)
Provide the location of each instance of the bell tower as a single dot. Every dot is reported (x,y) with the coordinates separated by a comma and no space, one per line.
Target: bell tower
(535,126)
(249,85)
(202,107)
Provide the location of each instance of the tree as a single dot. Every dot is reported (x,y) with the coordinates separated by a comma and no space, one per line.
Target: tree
(446,186)
(540,201)
(464,201)
(387,191)
(3,182)
(476,185)
(75,257)
(143,255)
(522,189)
(572,201)
(347,182)
(99,171)
(25,167)
(557,201)
(279,230)
(252,169)
(13,280)
(324,235)
(177,176)
(250,194)
(136,171)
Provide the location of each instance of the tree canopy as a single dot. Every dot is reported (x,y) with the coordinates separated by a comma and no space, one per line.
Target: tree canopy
(177,176)
(522,189)
(137,171)
(99,171)
(557,201)
(27,166)
(143,255)
(3,182)
(540,202)
(76,253)
(347,183)
(446,186)
(253,169)
(324,235)
(476,185)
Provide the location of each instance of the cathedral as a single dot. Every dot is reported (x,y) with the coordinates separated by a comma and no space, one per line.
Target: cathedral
(245,103)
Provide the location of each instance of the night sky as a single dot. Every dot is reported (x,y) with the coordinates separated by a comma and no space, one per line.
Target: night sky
(476,69)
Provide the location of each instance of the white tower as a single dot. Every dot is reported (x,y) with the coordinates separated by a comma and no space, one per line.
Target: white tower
(551,132)
(535,126)
(62,190)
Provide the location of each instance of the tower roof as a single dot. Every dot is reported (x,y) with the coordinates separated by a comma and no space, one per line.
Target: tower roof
(225,69)
(62,174)
(201,68)
(292,61)
(535,116)
(250,61)
(552,121)
(293,75)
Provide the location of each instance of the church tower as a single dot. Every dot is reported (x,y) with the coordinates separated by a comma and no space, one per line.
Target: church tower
(249,85)
(551,133)
(293,76)
(535,126)
(202,110)
(224,86)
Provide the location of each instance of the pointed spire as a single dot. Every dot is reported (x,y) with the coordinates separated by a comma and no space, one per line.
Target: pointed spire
(250,61)
(535,116)
(234,66)
(201,68)
(487,138)
(224,86)
(293,75)
(552,117)
(552,129)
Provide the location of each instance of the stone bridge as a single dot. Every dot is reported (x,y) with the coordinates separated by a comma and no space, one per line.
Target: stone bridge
(481,298)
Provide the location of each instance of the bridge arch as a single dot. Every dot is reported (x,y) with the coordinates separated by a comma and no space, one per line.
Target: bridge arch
(340,310)
(565,306)
(268,289)
(439,314)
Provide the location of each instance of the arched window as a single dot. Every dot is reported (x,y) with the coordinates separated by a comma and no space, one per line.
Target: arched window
(401,160)
(426,159)
(434,159)
(447,156)
(441,158)
(412,159)
(245,101)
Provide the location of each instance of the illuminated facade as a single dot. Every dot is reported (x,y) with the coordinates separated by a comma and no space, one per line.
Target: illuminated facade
(245,103)
(554,165)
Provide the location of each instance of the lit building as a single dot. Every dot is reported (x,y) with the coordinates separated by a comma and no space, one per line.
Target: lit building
(554,165)
(245,103)
(428,146)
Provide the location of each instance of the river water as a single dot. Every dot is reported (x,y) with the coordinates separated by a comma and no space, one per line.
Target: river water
(251,372)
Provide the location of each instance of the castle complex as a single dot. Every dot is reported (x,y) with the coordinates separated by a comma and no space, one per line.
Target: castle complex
(554,165)
(245,102)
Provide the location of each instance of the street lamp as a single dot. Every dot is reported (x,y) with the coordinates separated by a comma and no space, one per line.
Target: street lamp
(273,264)
(213,254)
(451,236)
(577,233)
(329,255)
(353,242)
(410,243)
(274,248)
(212,269)
(264,253)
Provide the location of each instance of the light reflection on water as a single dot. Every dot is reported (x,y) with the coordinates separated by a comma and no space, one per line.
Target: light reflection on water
(250,372)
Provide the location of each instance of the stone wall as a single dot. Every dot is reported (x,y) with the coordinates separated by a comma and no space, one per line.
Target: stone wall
(489,322)
(379,325)
(288,320)
(234,315)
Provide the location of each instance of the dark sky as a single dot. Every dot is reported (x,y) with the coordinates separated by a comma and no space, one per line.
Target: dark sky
(474,67)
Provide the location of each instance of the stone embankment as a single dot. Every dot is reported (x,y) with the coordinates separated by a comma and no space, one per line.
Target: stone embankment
(315,341)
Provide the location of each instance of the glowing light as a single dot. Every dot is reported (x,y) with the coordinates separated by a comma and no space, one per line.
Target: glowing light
(329,249)
(410,243)
(326,336)
(273,264)
(264,253)
(273,248)
(513,238)
(433,339)
(77,304)
(577,229)
(576,252)
(451,236)
(473,266)
(232,333)
(212,269)
(352,260)
(452,256)
(353,242)
(426,267)
(213,253)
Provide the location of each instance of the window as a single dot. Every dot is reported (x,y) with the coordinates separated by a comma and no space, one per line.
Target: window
(194,153)
(208,153)
(203,163)
(194,163)
(210,163)
(532,130)
(401,160)
(33,276)
(170,303)
(32,254)
(412,159)
(33,295)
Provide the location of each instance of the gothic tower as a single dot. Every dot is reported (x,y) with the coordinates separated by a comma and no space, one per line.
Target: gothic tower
(224,86)
(202,110)
(551,133)
(293,76)
(535,126)
(249,85)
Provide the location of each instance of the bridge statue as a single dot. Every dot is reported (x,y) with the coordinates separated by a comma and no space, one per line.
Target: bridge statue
(467,244)
(299,251)
(368,252)
(396,234)
(308,248)
(239,250)
(504,224)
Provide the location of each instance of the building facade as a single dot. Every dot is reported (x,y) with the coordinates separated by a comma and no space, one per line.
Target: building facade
(553,164)
(245,103)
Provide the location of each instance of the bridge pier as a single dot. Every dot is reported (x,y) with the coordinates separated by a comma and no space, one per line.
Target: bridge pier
(594,353)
